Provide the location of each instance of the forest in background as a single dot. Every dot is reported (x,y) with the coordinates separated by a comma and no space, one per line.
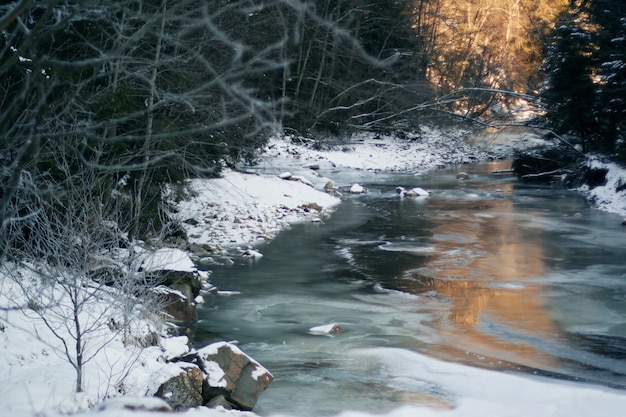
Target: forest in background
(106,106)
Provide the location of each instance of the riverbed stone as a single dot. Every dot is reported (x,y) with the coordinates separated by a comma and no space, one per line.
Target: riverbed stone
(242,379)
(183,391)
(417,192)
(228,373)
(357,189)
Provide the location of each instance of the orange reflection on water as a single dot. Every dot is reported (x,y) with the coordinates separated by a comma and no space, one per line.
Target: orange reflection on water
(482,267)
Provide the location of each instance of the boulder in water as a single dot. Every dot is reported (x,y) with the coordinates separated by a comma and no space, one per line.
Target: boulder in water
(417,192)
(357,189)
(325,330)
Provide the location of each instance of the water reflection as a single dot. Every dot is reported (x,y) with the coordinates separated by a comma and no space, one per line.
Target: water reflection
(485,263)
(486,271)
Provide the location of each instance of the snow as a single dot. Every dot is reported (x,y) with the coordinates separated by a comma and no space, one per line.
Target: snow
(245,209)
(217,377)
(606,197)
(168,259)
(325,329)
(357,189)
(425,149)
(175,346)
(478,392)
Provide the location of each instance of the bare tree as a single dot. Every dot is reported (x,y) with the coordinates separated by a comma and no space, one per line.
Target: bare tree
(101,104)
(76,277)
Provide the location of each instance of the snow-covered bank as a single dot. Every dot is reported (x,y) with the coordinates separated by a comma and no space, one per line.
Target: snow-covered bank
(242,210)
(245,209)
(423,150)
(611,196)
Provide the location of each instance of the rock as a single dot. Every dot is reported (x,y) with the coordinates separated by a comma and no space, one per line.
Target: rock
(417,192)
(462,176)
(191,222)
(198,251)
(183,391)
(357,189)
(182,280)
(219,401)
(302,180)
(284,175)
(173,268)
(240,378)
(251,253)
(326,329)
(218,374)
(178,303)
(313,166)
(312,206)
(624,222)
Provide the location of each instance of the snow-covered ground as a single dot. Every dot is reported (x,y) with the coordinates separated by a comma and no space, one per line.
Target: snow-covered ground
(607,197)
(241,210)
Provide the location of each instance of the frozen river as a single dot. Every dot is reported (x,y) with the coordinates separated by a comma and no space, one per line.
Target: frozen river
(512,278)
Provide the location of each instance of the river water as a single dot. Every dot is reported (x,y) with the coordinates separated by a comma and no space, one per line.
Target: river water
(488,272)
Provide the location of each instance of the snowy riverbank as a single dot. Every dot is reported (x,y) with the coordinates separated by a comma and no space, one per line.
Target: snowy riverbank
(241,210)
(244,209)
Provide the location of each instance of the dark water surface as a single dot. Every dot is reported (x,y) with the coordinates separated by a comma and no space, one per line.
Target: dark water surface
(489,272)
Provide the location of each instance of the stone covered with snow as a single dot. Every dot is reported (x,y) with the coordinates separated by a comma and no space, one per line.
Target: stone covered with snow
(325,330)
(357,189)
(184,390)
(242,378)
(179,281)
(218,374)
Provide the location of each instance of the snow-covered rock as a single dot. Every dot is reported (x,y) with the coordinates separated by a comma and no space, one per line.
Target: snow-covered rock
(251,253)
(218,374)
(240,376)
(167,259)
(417,192)
(611,195)
(325,330)
(184,390)
(413,192)
(357,189)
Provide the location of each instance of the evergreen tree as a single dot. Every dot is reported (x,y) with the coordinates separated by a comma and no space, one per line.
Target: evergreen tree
(610,18)
(586,69)
(570,64)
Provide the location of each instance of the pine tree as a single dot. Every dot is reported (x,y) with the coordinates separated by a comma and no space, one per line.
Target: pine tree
(586,69)
(570,63)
